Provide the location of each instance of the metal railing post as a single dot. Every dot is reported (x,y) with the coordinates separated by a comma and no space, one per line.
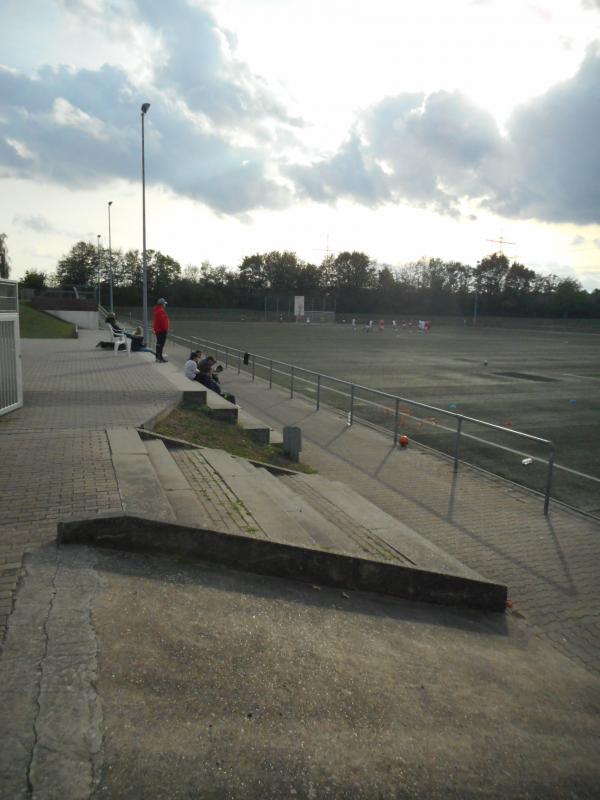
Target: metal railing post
(271,374)
(318,391)
(457,443)
(291,382)
(396,421)
(351,418)
(548,483)
(253,366)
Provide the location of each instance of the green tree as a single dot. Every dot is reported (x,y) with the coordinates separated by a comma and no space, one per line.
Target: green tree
(308,280)
(490,274)
(131,270)
(385,279)
(4,259)
(251,272)
(328,273)
(163,271)
(281,270)
(34,280)
(354,271)
(79,267)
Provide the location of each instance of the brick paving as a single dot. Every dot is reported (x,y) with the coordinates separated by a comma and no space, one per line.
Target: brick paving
(54,455)
(551,565)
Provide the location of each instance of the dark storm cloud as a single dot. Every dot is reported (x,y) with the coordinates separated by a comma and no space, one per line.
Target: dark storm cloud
(434,151)
(80,127)
(347,174)
(553,172)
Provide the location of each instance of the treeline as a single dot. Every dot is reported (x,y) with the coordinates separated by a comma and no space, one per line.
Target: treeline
(348,282)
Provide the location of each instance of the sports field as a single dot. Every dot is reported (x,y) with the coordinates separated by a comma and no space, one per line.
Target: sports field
(542,382)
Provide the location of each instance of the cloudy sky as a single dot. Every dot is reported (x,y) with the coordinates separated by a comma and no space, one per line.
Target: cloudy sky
(400,128)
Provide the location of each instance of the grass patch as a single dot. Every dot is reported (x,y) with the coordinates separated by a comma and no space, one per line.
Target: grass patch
(34,324)
(195,424)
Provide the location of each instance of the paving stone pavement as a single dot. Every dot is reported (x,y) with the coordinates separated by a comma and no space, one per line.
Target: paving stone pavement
(550,564)
(54,454)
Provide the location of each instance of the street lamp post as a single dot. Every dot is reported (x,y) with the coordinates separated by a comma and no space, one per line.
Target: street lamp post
(110,264)
(145,108)
(98,270)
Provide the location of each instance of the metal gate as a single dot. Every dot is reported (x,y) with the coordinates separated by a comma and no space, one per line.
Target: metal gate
(11,381)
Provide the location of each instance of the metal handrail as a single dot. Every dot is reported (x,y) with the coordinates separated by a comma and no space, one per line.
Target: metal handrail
(295,378)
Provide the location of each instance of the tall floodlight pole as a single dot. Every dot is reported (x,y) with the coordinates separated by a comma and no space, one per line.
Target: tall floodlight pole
(110,264)
(98,270)
(145,108)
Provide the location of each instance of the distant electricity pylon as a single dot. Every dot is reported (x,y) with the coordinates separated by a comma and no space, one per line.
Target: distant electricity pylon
(501,241)
(328,252)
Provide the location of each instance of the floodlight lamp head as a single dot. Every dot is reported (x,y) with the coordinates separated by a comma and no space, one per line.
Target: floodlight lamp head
(110,202)
(145,107)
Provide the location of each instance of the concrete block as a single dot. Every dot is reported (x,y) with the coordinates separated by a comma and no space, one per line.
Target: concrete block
(292,442)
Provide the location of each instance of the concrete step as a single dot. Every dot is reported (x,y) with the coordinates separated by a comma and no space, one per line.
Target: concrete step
(409,545)
(255,429)
(180,495)
(325,533)
(222,509)
(139,485)
(361,540)
(190,391)
(262,504)
(225,464)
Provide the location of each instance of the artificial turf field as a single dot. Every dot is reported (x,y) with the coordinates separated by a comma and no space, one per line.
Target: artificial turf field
(540,381)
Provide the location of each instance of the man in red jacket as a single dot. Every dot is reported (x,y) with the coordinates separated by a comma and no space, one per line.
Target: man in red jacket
(160,325)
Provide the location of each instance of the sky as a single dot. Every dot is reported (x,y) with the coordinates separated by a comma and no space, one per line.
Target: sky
(403,129)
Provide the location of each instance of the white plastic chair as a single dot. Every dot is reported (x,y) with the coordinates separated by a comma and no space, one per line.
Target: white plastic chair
(118,339)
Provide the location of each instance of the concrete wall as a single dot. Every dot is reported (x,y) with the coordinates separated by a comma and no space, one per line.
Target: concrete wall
(86,320)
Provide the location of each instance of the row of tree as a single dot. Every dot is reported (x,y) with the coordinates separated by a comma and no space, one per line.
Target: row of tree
(348,282)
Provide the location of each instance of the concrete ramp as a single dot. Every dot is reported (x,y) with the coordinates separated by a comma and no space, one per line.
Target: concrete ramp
(205,503)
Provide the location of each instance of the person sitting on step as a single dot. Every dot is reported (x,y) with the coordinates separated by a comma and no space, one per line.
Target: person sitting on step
(209,377)
(190,368)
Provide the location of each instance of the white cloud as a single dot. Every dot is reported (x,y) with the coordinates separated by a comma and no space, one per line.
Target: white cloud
(64,113)
(20,148)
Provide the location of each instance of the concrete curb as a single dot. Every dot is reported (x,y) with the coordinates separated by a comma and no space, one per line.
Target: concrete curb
(268,557)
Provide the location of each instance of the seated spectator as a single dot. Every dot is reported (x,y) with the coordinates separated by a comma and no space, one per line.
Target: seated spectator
(137,336)
(111,319)
(137,340)
(209,377)
(190,368)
